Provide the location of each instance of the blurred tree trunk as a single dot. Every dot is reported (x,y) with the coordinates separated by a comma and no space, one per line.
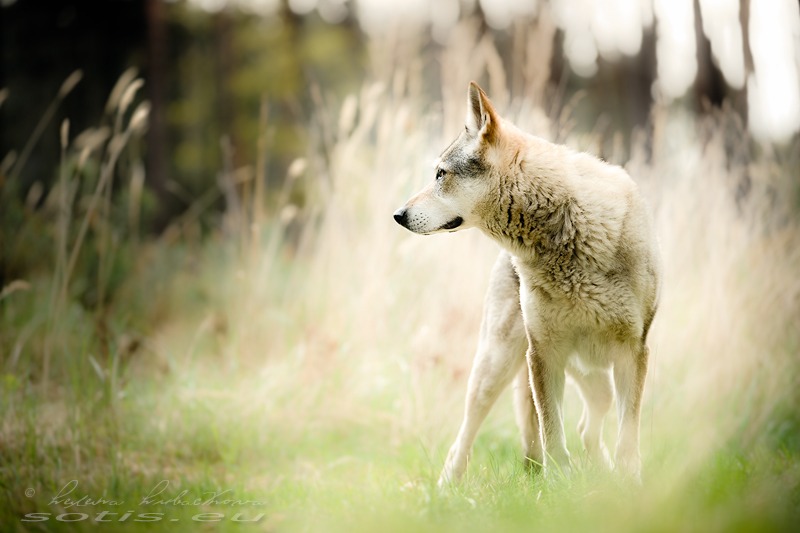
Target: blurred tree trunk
(744,20)
(297,72)
(157,135)
(710,84)
(237,193)
(641,75)
(225,66)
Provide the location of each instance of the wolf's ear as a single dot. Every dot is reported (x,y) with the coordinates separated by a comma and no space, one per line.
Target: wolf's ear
(481,117)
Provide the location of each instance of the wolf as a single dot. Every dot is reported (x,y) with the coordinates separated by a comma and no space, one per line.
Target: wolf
(573,292)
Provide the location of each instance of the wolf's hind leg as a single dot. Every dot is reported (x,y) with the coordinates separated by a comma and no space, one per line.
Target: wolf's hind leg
(597,392)
(492,370)
(527,420)
(501,351)
(629,377)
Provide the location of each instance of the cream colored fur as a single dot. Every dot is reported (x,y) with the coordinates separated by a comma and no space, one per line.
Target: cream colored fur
(573,293)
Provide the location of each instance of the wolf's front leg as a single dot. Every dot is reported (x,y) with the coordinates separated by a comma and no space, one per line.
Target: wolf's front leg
(547,378)
(527,420)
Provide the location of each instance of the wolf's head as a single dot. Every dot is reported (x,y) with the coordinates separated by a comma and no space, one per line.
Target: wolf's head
(462,176)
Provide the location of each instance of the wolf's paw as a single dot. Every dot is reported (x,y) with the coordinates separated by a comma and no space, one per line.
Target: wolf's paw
(555,469)
(454,467)
(630,468)
(603,458)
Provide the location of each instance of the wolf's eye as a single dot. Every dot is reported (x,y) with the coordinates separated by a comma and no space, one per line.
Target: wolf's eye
(439,173)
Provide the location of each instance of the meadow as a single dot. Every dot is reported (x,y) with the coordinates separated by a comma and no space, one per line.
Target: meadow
(303,364)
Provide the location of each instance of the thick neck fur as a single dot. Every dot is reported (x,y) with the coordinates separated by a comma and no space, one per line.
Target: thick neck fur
(532,214)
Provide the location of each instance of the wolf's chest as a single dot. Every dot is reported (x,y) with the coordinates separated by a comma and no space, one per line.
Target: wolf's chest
(578,311)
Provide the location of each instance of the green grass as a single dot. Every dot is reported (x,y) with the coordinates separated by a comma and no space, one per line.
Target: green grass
(208,429)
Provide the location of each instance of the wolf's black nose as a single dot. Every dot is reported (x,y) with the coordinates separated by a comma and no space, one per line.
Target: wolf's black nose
(400,216)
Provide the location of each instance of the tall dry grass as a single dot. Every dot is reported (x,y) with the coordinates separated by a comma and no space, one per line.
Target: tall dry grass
(88,219)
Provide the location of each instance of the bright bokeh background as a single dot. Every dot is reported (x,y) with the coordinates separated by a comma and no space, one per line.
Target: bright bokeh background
(612,29)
